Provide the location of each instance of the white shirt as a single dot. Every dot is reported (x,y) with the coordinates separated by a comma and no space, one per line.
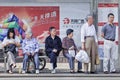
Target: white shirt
(6,40)
(87,30)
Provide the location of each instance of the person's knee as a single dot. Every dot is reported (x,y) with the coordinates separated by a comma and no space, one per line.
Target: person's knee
(25,57)
(53,56)
(70,57)
(36,57)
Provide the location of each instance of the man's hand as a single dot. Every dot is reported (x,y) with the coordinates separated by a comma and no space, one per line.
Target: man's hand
(102,35)
(83,46)
(55,50)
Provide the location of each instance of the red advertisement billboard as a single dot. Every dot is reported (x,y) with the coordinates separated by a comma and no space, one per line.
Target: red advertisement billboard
(39,19)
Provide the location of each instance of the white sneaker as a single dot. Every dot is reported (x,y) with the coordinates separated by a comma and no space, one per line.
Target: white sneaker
(23,72)
(37,71)
(53,71)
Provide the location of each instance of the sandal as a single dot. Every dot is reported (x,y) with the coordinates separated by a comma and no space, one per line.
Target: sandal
(14,66)
(11,65)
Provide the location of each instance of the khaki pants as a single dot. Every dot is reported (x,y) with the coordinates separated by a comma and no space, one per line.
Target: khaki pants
(10,60)
(91,47)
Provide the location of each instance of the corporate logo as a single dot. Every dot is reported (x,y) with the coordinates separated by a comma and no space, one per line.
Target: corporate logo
(72,21)
(66,21)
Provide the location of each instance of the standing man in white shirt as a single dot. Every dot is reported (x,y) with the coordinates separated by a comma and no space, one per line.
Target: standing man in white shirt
(89,42)
(109,33)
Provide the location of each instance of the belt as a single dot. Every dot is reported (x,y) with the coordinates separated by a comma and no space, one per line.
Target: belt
(88,36)
(111,39)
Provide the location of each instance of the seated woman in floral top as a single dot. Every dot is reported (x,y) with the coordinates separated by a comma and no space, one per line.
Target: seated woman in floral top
(30,47)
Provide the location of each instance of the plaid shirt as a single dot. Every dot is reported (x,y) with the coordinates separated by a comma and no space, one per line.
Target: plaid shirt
(67,43)
(30,45)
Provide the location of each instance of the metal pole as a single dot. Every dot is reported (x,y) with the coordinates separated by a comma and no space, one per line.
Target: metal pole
(119,35)
(5,57)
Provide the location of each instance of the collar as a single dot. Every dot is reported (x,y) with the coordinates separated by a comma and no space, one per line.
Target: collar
(28,39)
(51,37)
(110,24)
(88,24)
(68,37)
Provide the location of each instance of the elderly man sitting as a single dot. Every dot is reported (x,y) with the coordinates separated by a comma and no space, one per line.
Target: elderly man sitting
(30,47)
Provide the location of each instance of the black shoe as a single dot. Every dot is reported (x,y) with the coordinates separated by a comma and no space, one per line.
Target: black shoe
(80,71)
(106,72)
(7,71)
(92,72)
(113,72)
(87,72)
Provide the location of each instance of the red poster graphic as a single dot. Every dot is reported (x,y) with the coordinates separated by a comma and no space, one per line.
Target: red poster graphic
(39,19)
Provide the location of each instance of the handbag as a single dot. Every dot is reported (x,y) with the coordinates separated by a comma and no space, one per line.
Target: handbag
(11,48)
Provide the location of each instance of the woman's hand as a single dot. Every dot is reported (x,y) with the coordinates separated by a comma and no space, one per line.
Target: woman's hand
(28,54)
(72,48)
(7,43)
(17,44)
(12,42)
(33,53)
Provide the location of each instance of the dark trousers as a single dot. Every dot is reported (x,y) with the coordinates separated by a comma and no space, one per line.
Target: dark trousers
(53,59)
(79,65)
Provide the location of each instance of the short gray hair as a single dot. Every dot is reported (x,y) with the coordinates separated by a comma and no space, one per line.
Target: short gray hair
(28,32)
(89,15)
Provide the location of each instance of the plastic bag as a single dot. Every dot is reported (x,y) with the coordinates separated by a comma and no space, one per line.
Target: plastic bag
(82,56)
(72,52)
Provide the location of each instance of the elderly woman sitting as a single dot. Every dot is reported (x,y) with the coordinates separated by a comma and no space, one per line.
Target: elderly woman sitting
(30,47)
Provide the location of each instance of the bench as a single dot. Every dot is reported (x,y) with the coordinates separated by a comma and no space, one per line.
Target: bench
(4,58)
